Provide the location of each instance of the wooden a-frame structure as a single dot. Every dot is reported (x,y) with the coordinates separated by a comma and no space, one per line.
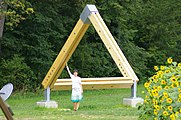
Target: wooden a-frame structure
(90,15)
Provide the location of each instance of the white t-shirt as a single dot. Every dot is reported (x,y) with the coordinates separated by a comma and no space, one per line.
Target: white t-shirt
(76,81)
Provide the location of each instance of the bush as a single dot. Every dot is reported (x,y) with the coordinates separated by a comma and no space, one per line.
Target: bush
(17,72)
(163,93)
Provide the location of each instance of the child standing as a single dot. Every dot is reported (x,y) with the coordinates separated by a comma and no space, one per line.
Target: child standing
(77,89)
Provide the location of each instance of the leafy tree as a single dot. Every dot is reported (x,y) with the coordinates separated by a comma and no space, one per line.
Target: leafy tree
(17,72)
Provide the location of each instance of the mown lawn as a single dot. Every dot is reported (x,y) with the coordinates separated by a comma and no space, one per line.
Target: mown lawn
(96,105)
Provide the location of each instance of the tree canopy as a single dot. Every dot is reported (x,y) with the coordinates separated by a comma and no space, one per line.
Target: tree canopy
(147,31)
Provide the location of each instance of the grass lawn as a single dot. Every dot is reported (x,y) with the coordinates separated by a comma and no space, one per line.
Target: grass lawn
(96,105)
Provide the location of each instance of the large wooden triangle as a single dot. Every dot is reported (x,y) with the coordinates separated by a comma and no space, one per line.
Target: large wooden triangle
(89,15)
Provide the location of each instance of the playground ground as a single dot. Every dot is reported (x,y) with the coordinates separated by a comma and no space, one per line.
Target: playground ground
(96,105)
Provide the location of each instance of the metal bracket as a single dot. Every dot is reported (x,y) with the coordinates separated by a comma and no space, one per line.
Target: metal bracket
(86,12)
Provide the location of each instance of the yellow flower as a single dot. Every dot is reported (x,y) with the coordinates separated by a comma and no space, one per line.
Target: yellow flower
(172,117)
(176,113)
(170,108)
(163,82)
(154,87)
(173,79)
(159,88)
(155,102)
(155,77)
(176,84)
(156,68)
(169,60)
(179,64)
(155,112)
(165,94)
(157,107)
(179,90)
(155,119)
(165,113)
(145,101)
(162,67)
(161,100)
(169,100)
(180,110)
(166,87)
(160,72)
(155,93)
(146,85)
(179,95)
(179,100)
(146,96)
(167,71)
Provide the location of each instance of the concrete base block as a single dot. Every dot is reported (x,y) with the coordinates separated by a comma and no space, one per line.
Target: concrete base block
(132,101)
(47,104)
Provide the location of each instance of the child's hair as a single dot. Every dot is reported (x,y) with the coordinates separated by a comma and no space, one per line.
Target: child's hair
(76,70)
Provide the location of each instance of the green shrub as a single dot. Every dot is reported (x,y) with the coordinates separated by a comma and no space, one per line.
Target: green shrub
(18,73)
(163,93)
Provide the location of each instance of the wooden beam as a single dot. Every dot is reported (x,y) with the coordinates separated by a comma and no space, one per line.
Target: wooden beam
(97,79)
(5,109)
(65,54)
(112,46)
(95,83)
(92,86)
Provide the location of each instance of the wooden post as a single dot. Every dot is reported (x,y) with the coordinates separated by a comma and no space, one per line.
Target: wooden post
(5,109)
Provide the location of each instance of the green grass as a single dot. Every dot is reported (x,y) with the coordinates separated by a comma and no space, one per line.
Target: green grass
(96,105)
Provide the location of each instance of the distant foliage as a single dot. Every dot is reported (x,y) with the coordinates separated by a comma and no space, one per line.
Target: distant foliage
(15,11)
(18,73)
(146,31)
(163,93)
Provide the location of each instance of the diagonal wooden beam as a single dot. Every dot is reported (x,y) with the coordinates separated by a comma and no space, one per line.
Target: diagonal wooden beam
(65,54)
(112,46)
(5,109)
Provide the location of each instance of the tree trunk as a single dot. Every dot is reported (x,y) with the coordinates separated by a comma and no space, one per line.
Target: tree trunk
(2,19)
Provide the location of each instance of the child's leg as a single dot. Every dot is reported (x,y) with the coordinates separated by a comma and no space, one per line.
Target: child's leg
(75,106)
(78,105)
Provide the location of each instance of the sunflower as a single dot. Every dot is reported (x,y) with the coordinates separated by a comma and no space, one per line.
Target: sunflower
(166,87)
(146,85)
(165,94)
(156,68)
(179,64)
(179,100)
(176,84)
(170,108)
(163,82)
(157,107)
(169,60)
(167,71)
(172,117)
(155,93)
(169,100)
(155,112)
(173,79)
(179,95)
(165,113)
(159,88)
(162,67)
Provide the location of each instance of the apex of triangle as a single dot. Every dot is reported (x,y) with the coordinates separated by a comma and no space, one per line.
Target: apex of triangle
(86,12)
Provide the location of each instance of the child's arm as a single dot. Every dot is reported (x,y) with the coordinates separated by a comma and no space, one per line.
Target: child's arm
(68,70)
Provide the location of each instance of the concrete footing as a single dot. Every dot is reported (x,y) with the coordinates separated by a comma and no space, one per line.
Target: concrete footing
(132,101)
(47,104)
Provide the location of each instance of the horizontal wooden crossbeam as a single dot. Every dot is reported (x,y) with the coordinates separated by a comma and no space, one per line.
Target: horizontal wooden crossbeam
(95,83)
